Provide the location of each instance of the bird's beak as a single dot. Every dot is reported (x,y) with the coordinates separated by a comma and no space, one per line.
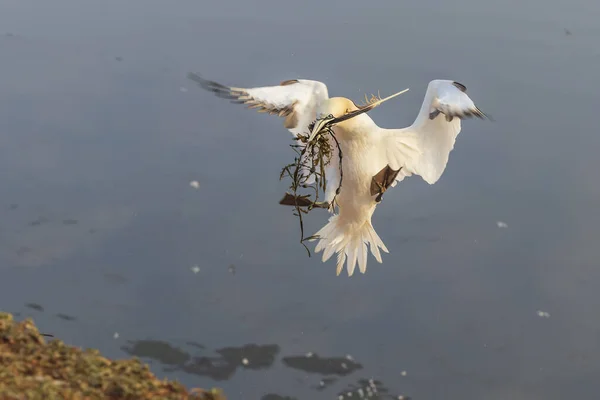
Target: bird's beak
(322,123)
(365,108)
(319,125)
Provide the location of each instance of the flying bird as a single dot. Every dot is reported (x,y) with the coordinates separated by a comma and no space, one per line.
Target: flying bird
(374,158)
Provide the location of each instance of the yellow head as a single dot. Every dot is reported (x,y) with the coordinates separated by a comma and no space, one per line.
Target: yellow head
(345,112)
(338,107)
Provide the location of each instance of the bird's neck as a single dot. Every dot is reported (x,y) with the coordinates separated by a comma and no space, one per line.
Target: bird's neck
(357,129)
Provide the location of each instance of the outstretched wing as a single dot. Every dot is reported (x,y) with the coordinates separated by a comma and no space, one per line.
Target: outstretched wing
(424,147)
(451,99)
(297,100)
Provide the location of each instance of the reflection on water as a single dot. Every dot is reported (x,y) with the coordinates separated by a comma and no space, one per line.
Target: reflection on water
(324,366)
(272,396)
(40,308)
(161,351)
(66,317)
(221,367)
(370,388)
(325,383)
(34,306)
(256,357)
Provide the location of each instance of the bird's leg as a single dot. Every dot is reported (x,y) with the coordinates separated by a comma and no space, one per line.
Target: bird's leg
(382,181)
(434,114)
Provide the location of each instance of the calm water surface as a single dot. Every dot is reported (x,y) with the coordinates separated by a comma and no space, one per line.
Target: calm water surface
(101,133)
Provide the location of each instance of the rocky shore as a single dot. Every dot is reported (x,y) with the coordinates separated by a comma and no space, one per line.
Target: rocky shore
(34,367)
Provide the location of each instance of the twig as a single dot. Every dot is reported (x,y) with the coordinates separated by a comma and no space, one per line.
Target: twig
(314,156)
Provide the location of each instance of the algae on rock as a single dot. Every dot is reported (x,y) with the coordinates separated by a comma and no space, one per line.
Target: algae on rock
(32,369)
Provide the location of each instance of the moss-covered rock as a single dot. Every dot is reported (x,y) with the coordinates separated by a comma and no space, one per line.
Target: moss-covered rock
(32,369)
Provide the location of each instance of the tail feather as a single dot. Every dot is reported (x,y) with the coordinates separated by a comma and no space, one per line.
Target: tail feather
(350,243)
(362,257)
(341,259)
(379,243)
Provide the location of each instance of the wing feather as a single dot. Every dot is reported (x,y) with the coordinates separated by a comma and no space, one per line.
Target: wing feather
(424,147)
(451,99)
(296,99)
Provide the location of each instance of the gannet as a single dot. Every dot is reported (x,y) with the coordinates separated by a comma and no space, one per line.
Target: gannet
(374,158)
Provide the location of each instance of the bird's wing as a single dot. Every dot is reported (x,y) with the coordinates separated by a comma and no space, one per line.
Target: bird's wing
(297,99)
(423,148)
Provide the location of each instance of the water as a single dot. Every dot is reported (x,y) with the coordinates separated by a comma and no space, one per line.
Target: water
(101,133)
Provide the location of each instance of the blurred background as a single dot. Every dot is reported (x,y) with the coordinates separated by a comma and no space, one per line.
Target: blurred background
(489,290)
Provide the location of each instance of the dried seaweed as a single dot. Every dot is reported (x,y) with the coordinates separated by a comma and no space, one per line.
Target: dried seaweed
(312,156)
(368,101)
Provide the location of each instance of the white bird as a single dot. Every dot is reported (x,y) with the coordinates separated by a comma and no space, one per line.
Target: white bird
(374,158)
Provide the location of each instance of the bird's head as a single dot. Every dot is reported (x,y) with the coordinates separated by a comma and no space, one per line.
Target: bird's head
(339,107)
(344,112)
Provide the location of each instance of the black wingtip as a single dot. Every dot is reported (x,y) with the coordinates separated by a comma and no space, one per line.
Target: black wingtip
(218,89)
(460,86)
(207,84)
(196,78)
(482,115)
(471,113)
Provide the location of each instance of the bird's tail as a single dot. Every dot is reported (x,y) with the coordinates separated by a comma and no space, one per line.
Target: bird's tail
(349,241)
